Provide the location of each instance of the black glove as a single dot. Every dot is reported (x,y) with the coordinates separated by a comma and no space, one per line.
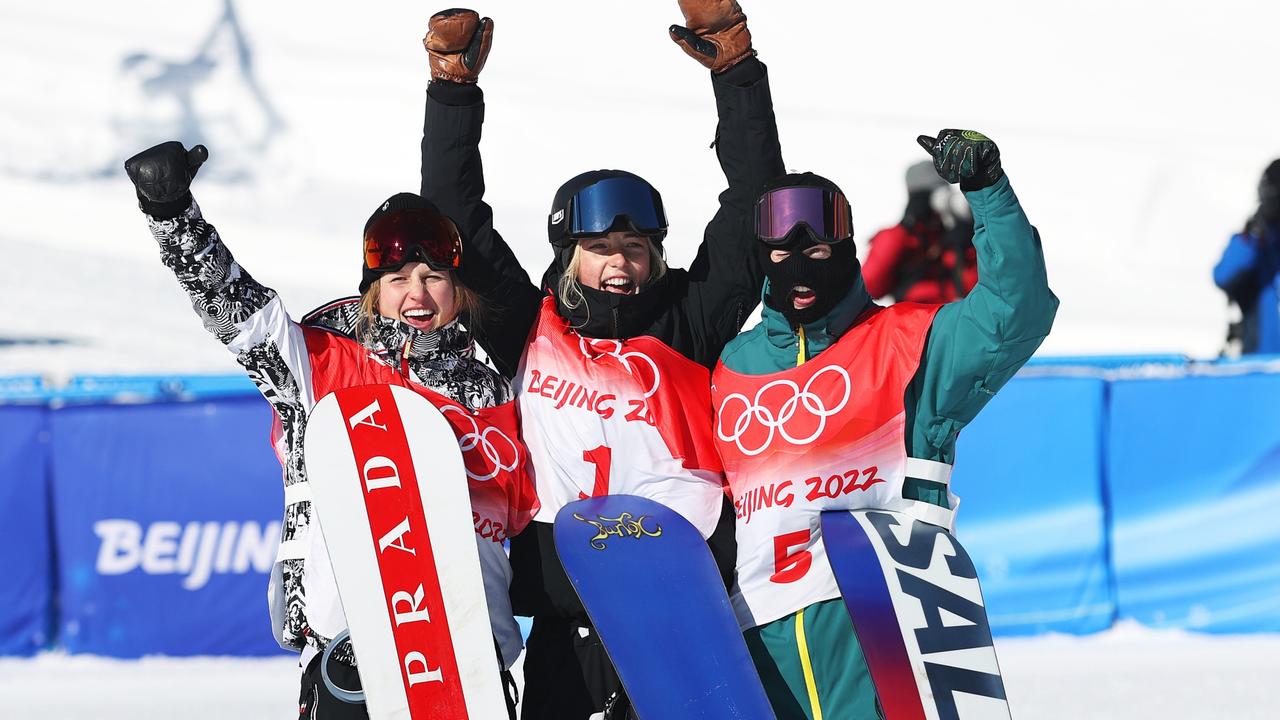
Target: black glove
(964,156)
(162,176)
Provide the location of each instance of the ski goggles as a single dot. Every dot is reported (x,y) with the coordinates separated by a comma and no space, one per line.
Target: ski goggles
(597,208)
(824,212)
(412,235)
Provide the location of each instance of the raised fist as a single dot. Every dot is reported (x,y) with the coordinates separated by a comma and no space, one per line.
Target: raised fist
(458,41)
(714,33)
(162,175)
(964,156)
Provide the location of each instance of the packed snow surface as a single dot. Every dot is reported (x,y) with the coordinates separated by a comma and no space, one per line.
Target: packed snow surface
(1124,674)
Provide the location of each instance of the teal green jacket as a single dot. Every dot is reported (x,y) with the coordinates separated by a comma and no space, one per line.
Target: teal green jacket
(974,346)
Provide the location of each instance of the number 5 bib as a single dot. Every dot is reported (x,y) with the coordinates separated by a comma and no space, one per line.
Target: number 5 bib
(825,435)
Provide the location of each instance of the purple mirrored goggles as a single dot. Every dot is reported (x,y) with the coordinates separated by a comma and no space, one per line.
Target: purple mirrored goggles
(824,212)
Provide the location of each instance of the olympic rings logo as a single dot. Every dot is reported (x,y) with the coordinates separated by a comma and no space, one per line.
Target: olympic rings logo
(592,348)
(470,441)
(801,398)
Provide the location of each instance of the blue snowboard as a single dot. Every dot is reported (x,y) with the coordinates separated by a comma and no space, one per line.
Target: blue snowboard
(652,589)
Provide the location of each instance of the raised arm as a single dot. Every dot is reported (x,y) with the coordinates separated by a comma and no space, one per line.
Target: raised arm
(244,315)
(976,344)
(727,275)
(458,43)
(229,301)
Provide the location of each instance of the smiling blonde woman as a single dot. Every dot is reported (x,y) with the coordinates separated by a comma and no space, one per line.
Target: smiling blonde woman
(610,354)
(409,328)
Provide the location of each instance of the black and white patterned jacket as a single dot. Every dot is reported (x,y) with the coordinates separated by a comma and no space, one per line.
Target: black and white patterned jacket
(251,321)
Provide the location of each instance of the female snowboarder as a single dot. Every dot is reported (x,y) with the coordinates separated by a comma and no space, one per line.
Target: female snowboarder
(833,402)
(610,356)
(408,327)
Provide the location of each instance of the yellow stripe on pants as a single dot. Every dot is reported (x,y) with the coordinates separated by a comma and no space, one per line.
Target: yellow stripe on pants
(809,683)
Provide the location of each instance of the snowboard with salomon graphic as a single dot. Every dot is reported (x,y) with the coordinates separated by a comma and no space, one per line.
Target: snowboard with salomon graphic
(655,595)
(391,497)
(917,608)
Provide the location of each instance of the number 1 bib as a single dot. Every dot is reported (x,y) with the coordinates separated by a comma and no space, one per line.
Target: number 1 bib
(609,417)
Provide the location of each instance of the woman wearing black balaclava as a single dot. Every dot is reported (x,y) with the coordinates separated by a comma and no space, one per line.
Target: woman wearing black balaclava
(610,356)
(833,402)
(1249,271)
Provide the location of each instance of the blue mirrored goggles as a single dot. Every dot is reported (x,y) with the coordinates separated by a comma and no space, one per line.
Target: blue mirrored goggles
(598,208)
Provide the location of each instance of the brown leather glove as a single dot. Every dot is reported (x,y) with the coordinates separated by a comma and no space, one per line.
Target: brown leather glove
(715,33)
(458,41)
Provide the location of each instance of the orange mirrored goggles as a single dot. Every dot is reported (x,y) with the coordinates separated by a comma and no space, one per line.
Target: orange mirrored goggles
(413,235)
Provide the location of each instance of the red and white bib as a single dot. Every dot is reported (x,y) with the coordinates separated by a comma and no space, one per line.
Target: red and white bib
(502,501)
(499,483)
(825,435)
(608,417)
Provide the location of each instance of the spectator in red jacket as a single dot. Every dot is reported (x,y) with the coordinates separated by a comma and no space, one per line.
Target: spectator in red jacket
(929,256)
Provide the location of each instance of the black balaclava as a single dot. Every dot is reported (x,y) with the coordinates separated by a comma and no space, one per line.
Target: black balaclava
(830,279)
(1269,193)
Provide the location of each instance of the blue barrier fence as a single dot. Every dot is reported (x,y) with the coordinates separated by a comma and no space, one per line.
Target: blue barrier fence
(167,519)
(1194,472)
(140,514)
(1029,475)
(26,595)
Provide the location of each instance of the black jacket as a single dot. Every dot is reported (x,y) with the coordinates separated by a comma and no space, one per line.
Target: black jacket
(695,311)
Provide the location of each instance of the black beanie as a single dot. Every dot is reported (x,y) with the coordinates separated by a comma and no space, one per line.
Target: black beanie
(1269,185)
(399,201)
(1272,173)
(805,179)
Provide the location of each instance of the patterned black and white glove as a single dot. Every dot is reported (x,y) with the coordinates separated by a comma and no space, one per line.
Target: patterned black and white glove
(964,156)
(162,176)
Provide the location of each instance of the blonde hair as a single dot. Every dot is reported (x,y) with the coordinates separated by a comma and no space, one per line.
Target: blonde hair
(569,290)
(465,302)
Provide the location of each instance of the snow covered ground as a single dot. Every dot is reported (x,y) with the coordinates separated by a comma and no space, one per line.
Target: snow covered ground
(1133,134)
(1123,674)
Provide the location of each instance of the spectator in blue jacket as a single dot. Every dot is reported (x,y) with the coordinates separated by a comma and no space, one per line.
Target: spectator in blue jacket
(1249,271)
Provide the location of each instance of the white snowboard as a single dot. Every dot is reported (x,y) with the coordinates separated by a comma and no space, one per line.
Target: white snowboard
(391,495)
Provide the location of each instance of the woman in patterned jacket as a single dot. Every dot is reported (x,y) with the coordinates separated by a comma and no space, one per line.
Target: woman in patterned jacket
(408,328)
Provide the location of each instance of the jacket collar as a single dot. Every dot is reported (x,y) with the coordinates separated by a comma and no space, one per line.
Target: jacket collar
(391,339)
(397,339)
(609,315)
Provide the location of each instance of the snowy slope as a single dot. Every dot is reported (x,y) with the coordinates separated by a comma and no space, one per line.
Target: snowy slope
(1123,674)
(1133,133)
